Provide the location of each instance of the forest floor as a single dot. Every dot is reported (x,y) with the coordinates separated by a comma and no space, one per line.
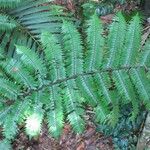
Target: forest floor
(89,140)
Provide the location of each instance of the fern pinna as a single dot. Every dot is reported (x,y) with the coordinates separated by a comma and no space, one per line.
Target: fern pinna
(108,72)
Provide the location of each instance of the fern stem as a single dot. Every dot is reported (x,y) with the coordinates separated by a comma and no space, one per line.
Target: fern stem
(127,68)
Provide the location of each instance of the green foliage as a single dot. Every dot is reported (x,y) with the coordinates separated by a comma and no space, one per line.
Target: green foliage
(22,21)
(95,42)
(9,3)
(101,8)
(109,72)
(125,134)
(5,23)
(5,145)
(104,7)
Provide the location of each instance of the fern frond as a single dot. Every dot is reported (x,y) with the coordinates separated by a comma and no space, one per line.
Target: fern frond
(73,49)
(9,89)
(33,124)
(34,120)
(101,113)
(23,76)
(10,128)
(73,108)
(103,81)
(132,42)
(115,113)
(29,57)
(4,112)
(115,40)
(125,89)
(9,3)
(10,123)
(84,85)
(6,23)
(53,55)
(123,84)
(55,115)
(141,83)
(121,80)
(95,43)
(135,109)
(22,110)
(102,110)
(145,55)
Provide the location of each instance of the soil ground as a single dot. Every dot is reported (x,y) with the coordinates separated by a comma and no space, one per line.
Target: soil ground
(89,140)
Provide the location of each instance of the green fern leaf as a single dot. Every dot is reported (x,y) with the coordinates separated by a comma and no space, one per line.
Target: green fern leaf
(23,76)
(9,89)
(115,40)
(95,42)
(145,55)
(10,123)
(53,54)
(74,111)
(141,84)
(55,116)
(9,3)
(132,42)
(6,24)
(103,81)
(30,58)
(101,113)
(123,84)
(4,112)
(85,88)
(10,127)
(73,47)
(135,109)
(115,113)
(34,120)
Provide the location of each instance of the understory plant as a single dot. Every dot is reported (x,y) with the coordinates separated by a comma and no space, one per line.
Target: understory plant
(126,132)
(105,7)
(22,21)
(56,86)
